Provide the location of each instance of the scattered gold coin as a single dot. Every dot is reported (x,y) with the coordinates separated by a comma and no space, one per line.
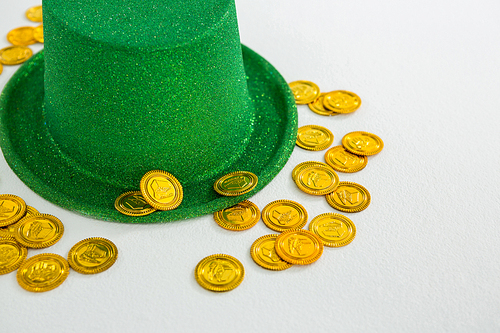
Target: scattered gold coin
(283,215)
(303,165)
(334,230)
(161,190)
(12,209)
(133,204)
(264,254)
(11,255)
(39,231)
(92,255)
(342,101)
(362,143)
(317,179)
(304,91)
(15,55)
(10,230)
(1,68)
(236,183)
(318,107)
(300,247)
(38,33)
(43,272)
(241,216)
(314,137)
(349,197)
(34,14)
(21,36)
(219,272)
(342,160)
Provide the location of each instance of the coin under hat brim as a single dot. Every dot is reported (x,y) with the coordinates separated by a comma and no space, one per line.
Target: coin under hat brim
(36,159)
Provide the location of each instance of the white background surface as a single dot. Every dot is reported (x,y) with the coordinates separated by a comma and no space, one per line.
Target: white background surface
(426,254)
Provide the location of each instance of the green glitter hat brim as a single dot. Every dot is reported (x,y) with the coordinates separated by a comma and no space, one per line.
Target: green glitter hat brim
(35,158)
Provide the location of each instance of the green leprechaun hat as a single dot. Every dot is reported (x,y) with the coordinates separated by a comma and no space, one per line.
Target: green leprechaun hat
(122,89)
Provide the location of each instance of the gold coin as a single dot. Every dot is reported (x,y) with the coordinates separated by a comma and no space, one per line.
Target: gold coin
(317,106)
(21,36)
(219,272)
(342,101)
(10,230)
(334,230)
(38,33)
(92,255)
(283,215)
(342,160)
(12,209)
(1,68)
(34,14)
(362,143)
(314,137)
(303,165)
(11,255)
(317,179)
(133,204)
(39,231)
(241,216)
(300,247)
(349,197)
(161,190)
(43,272)
(304,91)
(236,183)
(264,254)
(15,55)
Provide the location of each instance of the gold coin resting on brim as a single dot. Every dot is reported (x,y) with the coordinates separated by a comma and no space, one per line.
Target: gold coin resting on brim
(341,101)
(161,190)
(15,55)
(21,36)
(314,137)
(362,143)
(12,255)
(38,33)
(43,272)
(264,254)
(317,179)
(344,161)
(133,204)
(12,209)
(334,230)
(304,91)
(39,231)
(34,14)
(241,216)
(236,183)
(299,247)
(92,255)
(349,197)
(303,165)
(318,107)
(283,215)
(219,272)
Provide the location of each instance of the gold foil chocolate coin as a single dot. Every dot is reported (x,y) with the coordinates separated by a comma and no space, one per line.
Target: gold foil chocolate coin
(334,230)
(362,143)
(317,179)
(317,106)
(236,183)
(11,255)
(39,231)
(282,215)
(38,33)
(43,272)
(349,197)
(344,161)
(12,209)
(241,216)
(34,14)
(22,36)
(15,55)
(92,255)
(303,165)
(219,272)
(314,137)
(133,204)
(304,91)
(342,101)
(300,247)
(264,254)
(161,190)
